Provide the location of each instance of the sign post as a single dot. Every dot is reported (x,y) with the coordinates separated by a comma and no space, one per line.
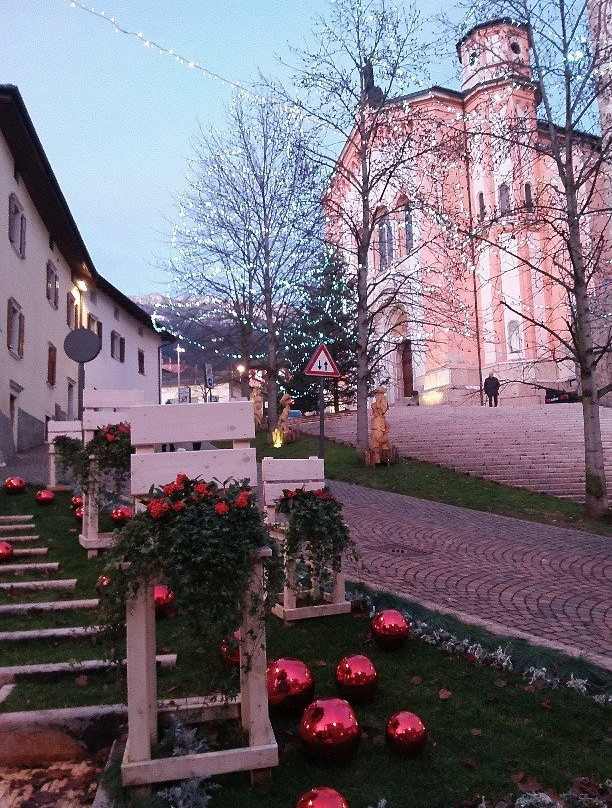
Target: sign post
(323,366)
(82,345)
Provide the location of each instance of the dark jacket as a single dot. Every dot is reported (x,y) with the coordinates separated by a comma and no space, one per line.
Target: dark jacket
(491,385)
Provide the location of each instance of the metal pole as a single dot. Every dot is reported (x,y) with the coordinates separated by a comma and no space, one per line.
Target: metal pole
(80,388)
(322,420)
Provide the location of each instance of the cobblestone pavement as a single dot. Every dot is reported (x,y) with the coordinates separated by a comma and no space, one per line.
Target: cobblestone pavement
(551,585)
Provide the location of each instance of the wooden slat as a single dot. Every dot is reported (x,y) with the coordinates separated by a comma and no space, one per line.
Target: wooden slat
(96,419)
(178,423)
(71,429)
(220,464)
(111,399)
(310,468)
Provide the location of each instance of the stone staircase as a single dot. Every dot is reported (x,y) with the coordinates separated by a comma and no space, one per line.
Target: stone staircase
(539,447)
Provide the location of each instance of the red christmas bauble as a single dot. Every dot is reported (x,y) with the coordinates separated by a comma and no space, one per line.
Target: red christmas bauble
(45,497)
(329,731)
(356,678)
(163,597)
(390,629)
(406,733)
(102,582)
(6,550)
(78,514)
(322,797)
(290,685)
(121,515)
(230,649)
(14,485)
(76,501)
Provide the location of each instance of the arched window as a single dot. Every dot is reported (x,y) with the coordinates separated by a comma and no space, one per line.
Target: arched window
(385,241)
(528,197)
(504,200)
(408,229)
(482,211)
(514,337)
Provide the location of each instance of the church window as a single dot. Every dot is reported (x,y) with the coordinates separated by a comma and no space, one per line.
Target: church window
(385,242)
(408,229)
(482,211)
(514,337)
(504,200)
(528,197)
(515,47)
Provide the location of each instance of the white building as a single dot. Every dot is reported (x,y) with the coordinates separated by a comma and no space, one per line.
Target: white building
(49,286)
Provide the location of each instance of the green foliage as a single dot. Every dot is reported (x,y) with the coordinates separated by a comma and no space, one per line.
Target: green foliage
(316,534)
(328,315)
(198,538)
(111,447)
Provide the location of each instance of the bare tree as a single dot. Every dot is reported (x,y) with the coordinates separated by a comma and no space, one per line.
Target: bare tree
(250,229)
(549,163)
(366,53)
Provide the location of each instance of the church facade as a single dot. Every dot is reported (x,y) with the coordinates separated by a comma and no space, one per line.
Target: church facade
(468,230)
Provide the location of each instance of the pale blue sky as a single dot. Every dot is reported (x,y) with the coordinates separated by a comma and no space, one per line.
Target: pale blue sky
(117,120)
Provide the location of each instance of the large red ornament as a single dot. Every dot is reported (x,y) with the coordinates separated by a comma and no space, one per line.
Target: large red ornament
(163,597)
(121,515)
(390,629)
(322,797)
(14,485)
(76,501)
(6,550)
(406,733)
(78,514)
(356,678)
(102,582)
(230,649)
(290,685)
(45,497)
(329,731)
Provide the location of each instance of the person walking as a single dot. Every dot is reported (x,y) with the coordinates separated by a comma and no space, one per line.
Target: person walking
(491,388)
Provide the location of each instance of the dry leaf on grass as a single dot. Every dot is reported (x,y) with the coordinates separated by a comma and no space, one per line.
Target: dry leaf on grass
(444,694)
(416,680)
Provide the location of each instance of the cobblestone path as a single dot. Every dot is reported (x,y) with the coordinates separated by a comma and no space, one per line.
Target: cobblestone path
(551,585)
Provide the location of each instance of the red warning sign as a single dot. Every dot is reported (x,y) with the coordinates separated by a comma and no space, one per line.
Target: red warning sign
(322,365)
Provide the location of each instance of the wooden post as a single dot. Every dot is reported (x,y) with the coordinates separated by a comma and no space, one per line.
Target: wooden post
(52,466)
(141,674)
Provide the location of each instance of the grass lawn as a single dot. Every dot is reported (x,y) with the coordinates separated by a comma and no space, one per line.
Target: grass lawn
(427,481)
(487,736)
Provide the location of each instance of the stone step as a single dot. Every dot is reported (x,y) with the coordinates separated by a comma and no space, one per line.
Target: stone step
(16,526)
(17,518)
(17,539)
(36,586)
(73,633)
(47,566)
(29,551)
(48,606)
(19,672)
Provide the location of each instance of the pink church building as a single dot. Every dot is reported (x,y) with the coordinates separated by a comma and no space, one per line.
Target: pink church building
(464,232)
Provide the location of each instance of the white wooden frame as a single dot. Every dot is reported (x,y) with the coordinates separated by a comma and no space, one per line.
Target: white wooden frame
(278,475)
(151,426)
(101,407)
(57,429)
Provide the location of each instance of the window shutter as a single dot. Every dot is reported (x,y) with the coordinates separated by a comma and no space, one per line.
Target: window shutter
(99,329)
(21,334)
(9,325)
(56,292)
(121,349)
(112,343)
(69,309)
(22,235)
(52,364)
(89,321)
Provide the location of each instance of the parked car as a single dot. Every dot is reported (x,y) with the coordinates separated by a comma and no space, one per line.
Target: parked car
(554,396)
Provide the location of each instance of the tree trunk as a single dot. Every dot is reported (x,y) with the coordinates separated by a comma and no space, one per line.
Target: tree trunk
(363,245)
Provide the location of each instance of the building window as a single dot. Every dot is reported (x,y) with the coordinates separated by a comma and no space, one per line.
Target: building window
(17,225)
(514,337)
(52,285)
(408,230)
(51,364)
(117,347)
(72,311)
(504,200)
(528,197)
(94,325)
(141,365)
(15,328)
(385,242)
(482,210)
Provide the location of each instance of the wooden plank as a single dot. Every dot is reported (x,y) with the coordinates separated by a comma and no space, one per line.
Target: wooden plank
(113,399)
(16,518)
(178,423)
(162,770)
(6,528)
(35,586)
(67,668)
(47,566)
(103,541)
(77,632)
(305,612)
(309,468)
(162,467)
(48,606)
(69,429)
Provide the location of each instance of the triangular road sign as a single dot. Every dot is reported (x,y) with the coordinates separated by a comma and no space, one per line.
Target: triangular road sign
(322,365)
